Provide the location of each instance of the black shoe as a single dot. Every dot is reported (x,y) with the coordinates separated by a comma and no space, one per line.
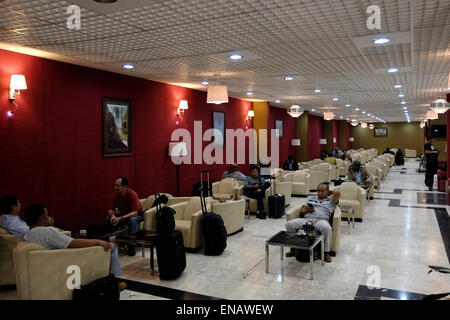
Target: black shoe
(131,251)
(430,188)
(261,216)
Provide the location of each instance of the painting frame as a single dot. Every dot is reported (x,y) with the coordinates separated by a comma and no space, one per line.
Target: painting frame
(114,144)
(380,132)
(218,122)
(279,128)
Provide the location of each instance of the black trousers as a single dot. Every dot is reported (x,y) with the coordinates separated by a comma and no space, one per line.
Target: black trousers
(429,175)
(259,195)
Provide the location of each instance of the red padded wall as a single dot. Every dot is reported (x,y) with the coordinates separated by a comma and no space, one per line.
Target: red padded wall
(290,132)
(52,147)
(315,133)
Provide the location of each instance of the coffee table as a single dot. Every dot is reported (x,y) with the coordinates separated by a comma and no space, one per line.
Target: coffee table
(283,239)
(99,232)
(143,239)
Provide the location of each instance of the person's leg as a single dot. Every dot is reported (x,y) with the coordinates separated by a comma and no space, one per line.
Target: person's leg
(292,227)
(325,230)
(133,224)
(114,264)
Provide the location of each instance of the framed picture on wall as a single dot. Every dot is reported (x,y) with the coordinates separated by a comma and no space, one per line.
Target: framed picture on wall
(279,127)
(380,132)
(218,122)
(116,118)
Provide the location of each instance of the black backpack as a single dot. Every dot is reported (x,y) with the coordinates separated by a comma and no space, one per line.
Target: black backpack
(103,289)
(165,221)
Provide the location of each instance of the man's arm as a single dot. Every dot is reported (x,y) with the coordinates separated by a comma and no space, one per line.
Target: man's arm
(304,210)
(86,243)
(336,196)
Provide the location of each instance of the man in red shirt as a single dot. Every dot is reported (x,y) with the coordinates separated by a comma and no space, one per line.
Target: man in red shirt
(125,207)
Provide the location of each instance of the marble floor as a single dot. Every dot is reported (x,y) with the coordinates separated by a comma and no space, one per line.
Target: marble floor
(404,230)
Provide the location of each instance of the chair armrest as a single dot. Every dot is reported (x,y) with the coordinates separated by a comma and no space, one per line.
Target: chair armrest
(215,187)
(196,228)
(175,200)
(337,216)
(293,213)
(287,177)
(150,219)
(179,208)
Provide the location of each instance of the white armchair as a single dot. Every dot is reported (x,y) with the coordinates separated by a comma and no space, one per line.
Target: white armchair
(317,177)
(301,182)
(352,196)
(232,213)
(376,175)
(343,167)
(225,188)
(41,273)
(294,213)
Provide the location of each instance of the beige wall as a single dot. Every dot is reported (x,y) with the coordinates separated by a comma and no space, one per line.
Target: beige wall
(302,134)
(342,129)
(400,135)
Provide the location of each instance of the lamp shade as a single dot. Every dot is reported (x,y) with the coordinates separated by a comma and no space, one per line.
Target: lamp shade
(183,105)
(351,139)
(328,116)
(295,111)
(217,94)
(334,140)
(295,142)
(440,106)
(364,125)
(371,126)
(18,82)
(177,149)
(432,115)
(323,141)
(251,113)
(422,125)
(354,123)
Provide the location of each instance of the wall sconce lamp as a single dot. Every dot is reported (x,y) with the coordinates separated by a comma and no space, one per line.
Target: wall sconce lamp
(250,115)
(182,106)
(295,143)
(17,83)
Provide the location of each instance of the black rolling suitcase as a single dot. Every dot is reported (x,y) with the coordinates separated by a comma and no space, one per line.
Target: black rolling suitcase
(276,204)
(170,245)
(214,231)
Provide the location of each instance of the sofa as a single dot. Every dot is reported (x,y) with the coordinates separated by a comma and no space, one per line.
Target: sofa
(7,244)
(294,213)
(42,273)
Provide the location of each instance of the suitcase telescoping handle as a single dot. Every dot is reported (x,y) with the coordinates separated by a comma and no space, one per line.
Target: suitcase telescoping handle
(207,179)
(202,198)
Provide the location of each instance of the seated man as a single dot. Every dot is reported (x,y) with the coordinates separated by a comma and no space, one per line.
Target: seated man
(255,187)
(290,164)
(337,153)
(125,207)
(10,220)
(358,174)
(388,150)
(233,173)
(36,218)
(318,210)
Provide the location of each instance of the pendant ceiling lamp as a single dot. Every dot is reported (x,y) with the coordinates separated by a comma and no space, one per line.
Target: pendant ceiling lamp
(371,127)
(432,115)
(328,116)
(354,122)
(363,125)
(217,94)
(440,106)
(295,111)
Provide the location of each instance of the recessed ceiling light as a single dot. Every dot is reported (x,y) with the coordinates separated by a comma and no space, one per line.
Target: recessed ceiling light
(392,70)
(403,102)
(205,82)
(369,114)
(249,93)
(357,109)
(341,117)
(347,105)
(401,95)
(381,40)
(278,101)
(236,56)
(336,99)
(288,78)
(128,66)
(363,112)
(313,109)
(106,1)
(317,90)
(398,86)
(405,108)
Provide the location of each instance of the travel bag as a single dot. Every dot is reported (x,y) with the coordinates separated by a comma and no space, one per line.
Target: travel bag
(276,204)
(214,231)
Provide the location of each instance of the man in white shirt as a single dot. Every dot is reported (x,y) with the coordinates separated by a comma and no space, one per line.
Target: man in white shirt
(37,219)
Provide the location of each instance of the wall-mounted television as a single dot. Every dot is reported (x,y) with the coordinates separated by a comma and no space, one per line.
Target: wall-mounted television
(439,131)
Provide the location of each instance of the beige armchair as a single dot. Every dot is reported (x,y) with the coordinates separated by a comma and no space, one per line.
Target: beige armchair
(385,161)
(317,177)
(285,189)
(409,153)
(7,244)
(343,167)
(390,157)
(352,196)
(376,175)
(294,213)
(42,274)
(301,182)
(225,188)
(232,213)
(188,221)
